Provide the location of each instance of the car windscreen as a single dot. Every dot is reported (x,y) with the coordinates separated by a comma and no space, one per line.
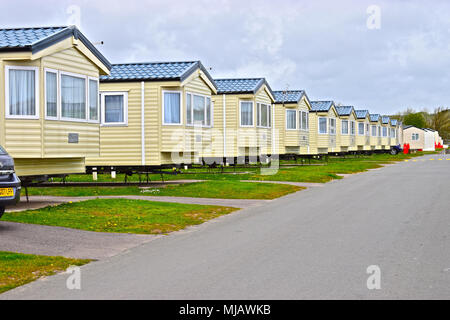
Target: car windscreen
(2,151)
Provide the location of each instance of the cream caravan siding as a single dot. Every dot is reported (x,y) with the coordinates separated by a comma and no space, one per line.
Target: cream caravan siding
(414,144)
(121,145)
(39,166)
(45,139)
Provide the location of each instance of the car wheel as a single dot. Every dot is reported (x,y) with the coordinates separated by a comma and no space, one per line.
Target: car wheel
(2,211)
(394,152)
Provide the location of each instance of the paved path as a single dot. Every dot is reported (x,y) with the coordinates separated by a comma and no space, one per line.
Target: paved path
(57,241)
(316,243)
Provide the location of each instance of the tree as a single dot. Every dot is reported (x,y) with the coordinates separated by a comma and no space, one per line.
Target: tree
(415,119)
(441,122)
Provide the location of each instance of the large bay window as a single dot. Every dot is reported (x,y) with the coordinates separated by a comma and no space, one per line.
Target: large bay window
(71,97)
(171,107)
(263,115)
(344,127)
(114,108)
(291,119)
(198,110)
(22,92)
(246,113)
(323,125)
(303,120)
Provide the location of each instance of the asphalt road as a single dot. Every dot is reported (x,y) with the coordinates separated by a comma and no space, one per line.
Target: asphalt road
(315,244)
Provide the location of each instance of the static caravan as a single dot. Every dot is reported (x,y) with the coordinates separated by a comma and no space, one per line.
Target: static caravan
(243,113)
(415,137)
(322,125)
(385,133)
(363,136)
(346,138)
(394,132)
(49,104)
(375,132)
(155,114)
(292,121)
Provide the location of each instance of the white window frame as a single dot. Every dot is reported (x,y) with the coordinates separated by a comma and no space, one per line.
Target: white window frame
(364,128)
(86,89)
(36,92)
(240,114)
(342,127)
(192,110)
(181,108)
(98,101)
(335,127)
(300,122)
(296,115)
(352,124)
(47,117)
(258,112)
(371,128)
(125,108)
(318,125)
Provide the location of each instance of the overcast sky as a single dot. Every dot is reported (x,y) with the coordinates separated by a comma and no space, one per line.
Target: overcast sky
(324,47)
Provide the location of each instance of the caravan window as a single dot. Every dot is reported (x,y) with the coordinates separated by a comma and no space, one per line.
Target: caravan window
(73,97)
(114,108)
(246,111)
(332,126)
(291,119)
(344,127)
(171,107)
(22,92)
(384,132)
(51,94)
(263,115)
(374,131)
(303,121)
(323,125)
(361,129)
(93,100)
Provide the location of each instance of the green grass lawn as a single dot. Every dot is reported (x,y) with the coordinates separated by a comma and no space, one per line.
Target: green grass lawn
(121,216)
(325,172)
(207,189)
(17,269)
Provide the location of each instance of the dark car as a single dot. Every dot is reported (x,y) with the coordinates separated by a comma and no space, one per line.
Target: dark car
(9,182)
(396,149)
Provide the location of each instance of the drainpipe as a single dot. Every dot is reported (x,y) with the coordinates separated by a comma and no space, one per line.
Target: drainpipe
(142,123)
(224,128)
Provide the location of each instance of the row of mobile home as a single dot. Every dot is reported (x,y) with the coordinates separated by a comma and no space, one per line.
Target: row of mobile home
(65,107)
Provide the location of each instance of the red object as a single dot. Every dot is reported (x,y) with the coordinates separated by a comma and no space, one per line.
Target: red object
(406,148)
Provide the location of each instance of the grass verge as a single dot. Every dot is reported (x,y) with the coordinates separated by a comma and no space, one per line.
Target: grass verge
(208,189)
(322,173)
(121,216)
(17,269)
